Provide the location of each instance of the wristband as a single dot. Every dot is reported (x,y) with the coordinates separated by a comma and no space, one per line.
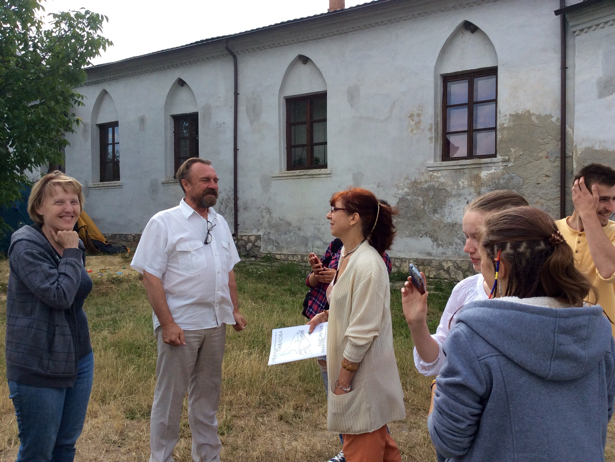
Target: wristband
(337,385)
(350,367)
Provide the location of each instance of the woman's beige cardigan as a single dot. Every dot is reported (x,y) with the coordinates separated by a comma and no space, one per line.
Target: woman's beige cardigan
(360,330)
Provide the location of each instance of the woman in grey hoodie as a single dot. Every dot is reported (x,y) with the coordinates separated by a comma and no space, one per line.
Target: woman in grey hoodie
(49,360)
(529,374)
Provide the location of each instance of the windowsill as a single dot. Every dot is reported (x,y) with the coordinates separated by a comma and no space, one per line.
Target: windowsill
(466,163)
(169,181)
(314,173)
(106,185)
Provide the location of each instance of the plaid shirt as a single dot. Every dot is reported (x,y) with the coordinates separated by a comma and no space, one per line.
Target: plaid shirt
(317,302)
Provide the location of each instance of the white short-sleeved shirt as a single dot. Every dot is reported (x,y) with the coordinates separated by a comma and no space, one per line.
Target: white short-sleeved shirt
(466,291)
(194,275)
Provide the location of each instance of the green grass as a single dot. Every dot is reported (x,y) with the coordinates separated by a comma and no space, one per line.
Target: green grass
(266,412)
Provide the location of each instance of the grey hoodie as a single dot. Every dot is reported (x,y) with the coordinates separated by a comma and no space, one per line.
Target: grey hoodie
(45,324)
(525,383)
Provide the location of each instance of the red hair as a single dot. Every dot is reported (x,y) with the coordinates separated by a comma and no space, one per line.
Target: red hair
(376,217)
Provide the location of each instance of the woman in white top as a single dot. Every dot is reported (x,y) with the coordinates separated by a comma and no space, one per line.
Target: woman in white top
(365,391)
(428,355)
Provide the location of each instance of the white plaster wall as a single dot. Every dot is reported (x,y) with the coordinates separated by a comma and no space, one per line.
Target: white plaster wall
(594,120)
(382,109)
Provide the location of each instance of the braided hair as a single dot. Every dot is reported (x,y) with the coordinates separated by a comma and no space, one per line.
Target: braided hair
(539,261)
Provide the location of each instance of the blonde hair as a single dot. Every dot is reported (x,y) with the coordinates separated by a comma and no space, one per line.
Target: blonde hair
(44,188)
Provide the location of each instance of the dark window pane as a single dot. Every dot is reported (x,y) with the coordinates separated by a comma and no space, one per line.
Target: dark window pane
(109,172)
(320,155)
(298,111)
(183,148)
(109,134)
(319,108)
(457,145)
(299,134)
(457,119)
(117,134)
(484,88)
(484,143)
(320,132)
(117,153)
(457,92)
(110,153)
(306,128)
(185,133)
(484,115)
(298,157)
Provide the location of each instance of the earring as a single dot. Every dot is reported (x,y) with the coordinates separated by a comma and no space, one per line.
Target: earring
(497,270)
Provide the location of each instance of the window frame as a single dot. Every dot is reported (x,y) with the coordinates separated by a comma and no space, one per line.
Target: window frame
(469,76)
(193,138)
(309,122)
(104,146)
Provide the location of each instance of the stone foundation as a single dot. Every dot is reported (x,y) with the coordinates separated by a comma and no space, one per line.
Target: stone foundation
(129,240)
(446,268)
(249,247)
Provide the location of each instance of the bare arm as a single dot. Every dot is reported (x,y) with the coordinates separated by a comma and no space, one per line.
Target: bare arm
(171,332)
(600,247)
(415,311)
(240,322)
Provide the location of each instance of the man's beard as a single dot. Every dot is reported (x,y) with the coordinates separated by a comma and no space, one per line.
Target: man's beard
(207,199)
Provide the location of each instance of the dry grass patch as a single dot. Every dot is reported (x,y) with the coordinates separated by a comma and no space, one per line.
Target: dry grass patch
(275,413)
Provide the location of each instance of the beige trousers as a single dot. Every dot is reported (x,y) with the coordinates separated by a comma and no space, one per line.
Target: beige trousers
(196,368)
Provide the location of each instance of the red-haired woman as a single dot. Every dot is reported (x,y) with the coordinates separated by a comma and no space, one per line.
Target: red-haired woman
(365,389)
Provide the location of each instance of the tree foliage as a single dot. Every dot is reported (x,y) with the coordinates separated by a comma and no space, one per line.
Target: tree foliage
(40,67)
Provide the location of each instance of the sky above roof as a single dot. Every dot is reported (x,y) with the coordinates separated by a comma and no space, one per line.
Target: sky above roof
(138,27)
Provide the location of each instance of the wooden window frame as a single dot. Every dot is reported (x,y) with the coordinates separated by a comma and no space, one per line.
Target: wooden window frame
(193,138)
(469,76)
(104,146)
(309,122)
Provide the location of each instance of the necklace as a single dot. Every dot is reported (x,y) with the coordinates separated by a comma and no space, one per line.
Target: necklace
(348,254)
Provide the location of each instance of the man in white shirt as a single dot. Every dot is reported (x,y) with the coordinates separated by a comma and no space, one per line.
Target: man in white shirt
(186,255)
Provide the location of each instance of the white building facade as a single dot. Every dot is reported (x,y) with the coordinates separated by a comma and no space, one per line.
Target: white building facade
(426,103)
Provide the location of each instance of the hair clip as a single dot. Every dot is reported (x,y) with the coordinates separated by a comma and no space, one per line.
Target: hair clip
(497,271)
(556,238)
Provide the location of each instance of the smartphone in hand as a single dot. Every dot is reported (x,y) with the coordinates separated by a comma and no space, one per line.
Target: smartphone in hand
(417,278)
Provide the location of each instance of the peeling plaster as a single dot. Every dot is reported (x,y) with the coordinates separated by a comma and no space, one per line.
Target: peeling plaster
(254,109)
(591,155)
(415,121)
(531,141)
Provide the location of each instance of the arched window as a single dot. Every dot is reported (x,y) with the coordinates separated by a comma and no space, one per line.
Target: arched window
(181,126)
(304,95)
(467,76)
(105,139)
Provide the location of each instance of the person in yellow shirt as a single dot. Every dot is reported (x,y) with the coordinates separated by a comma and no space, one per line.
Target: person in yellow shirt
(591,234)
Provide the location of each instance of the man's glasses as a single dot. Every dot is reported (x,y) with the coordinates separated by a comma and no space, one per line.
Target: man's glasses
(209,236)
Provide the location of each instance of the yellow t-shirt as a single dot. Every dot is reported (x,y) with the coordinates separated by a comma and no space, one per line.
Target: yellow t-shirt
(584,263)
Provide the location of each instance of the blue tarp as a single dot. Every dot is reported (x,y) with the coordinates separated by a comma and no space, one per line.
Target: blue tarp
(15,216)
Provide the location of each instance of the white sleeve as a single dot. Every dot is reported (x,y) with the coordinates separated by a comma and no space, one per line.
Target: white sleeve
(455,302)
(151,255)
(233,254)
